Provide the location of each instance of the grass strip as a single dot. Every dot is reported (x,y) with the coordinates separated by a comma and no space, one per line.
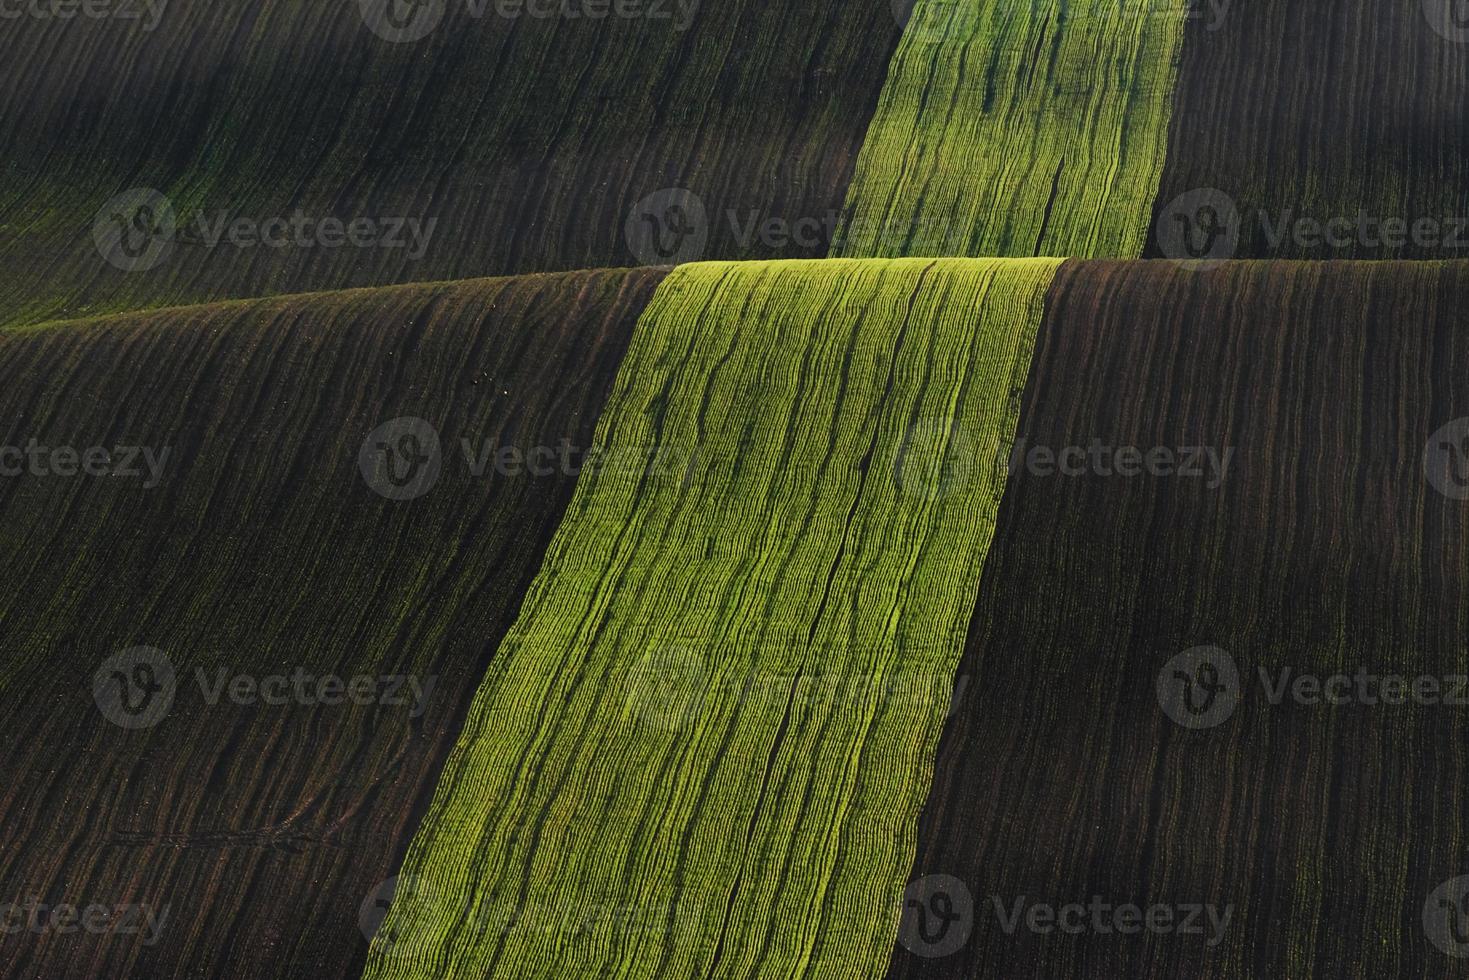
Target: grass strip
(702,748)
(1015,129)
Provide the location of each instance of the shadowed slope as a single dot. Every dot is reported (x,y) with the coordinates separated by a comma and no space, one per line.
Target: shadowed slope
(1325,547)
(530,141)
(262,549)
(1319,111)
(701,749)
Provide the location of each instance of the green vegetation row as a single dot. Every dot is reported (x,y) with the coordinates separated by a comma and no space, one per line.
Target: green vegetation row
(702,748)
(1024,128)
(264,543)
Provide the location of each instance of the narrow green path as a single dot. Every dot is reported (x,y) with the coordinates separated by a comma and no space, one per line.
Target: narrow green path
(702,748)
(1018,129)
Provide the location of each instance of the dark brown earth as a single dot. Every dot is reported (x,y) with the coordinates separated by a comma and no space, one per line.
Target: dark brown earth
(530,141)
(1326,547)
(1319,111)
(262,829)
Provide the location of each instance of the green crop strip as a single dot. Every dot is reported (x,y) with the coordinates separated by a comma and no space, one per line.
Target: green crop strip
(702,748)
(1018,129)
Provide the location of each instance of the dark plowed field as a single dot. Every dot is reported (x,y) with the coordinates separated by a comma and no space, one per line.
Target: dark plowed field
(269,542)
(532,144)
(1334,130)
(1325,546)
